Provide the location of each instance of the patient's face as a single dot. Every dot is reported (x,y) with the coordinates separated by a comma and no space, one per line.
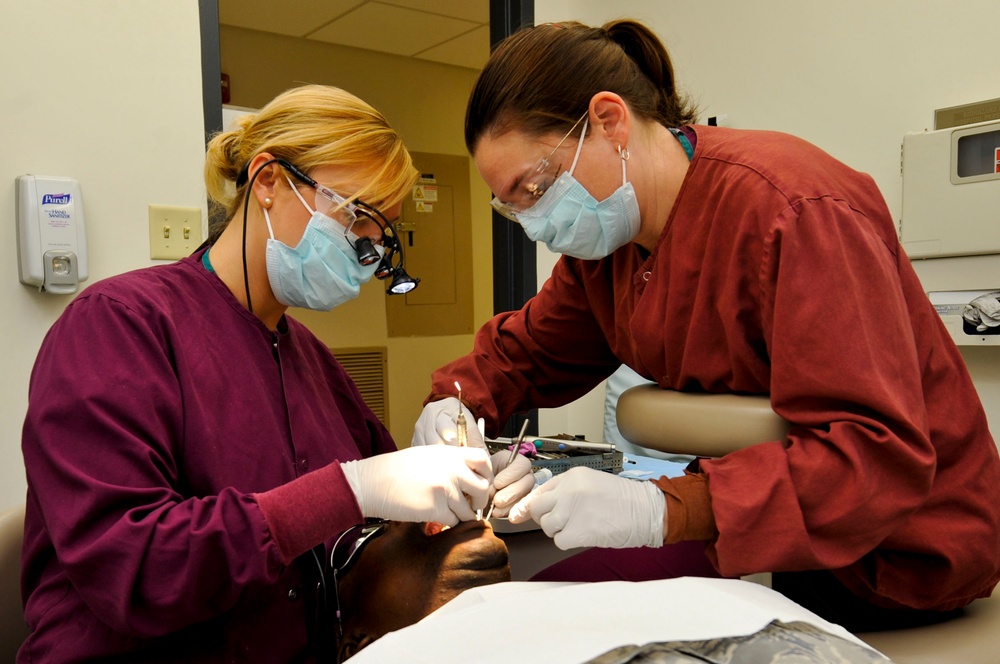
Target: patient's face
(411,570)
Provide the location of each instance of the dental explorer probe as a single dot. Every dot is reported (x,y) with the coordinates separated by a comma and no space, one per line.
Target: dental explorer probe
(462,433)
(513,453)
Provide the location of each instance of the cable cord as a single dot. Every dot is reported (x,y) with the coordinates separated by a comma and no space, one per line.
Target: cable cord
(246,206)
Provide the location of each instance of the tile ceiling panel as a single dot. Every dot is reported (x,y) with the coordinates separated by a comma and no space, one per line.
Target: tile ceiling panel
(468,50)
(477,11)
(296,18)
(392,29)
(454,32)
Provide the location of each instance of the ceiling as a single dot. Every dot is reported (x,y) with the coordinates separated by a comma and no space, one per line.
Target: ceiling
(454,32)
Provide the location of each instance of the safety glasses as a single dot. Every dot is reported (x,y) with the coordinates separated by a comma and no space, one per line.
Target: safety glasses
(365,222)
(535,184)
(346,551)
(338,208)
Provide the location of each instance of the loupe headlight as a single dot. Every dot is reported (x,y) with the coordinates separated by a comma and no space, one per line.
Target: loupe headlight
(390,266)
(401,282)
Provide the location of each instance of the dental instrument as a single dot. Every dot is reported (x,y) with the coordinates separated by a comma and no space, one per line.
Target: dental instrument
(462,430)
(513,453)
(462,433)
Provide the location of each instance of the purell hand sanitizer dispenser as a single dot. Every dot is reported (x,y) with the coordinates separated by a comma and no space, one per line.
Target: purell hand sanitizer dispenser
(51,242)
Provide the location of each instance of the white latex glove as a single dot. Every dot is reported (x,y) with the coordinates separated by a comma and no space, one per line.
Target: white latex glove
(437,483)
(587,507)
(512,483)
(437,425)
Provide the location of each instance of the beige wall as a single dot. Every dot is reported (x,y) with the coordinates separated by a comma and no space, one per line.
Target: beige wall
(425,102)
(106,104)
(89,91)
(852,76)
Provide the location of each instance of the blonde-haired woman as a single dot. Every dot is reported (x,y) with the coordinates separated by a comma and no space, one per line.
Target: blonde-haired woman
(192,451)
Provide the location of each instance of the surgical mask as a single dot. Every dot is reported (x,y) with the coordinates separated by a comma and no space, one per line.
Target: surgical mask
(570,221)
(322,271)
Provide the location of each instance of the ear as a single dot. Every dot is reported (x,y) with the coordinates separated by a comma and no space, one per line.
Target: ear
(351,644)
(267,177)
(610,117)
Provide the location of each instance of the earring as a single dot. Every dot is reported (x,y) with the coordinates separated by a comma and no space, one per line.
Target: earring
(267,202)
(623,152)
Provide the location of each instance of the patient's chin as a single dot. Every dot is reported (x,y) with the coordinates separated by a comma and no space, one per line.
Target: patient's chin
(472,546)
(482,554)
(451,583)
(475,563)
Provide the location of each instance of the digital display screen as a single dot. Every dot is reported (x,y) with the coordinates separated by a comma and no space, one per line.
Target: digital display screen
(979,154)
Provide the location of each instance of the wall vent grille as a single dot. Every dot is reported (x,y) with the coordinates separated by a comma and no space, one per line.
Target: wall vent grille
(367,367)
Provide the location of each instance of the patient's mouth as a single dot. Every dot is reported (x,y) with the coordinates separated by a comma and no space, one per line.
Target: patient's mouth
(431,528)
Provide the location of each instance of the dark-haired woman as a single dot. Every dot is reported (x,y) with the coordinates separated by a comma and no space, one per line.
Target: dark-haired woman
(724,261)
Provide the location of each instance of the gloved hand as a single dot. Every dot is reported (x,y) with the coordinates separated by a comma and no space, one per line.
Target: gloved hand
(587,507)
(512,483)
(437,424)
(983,312)
(437,483)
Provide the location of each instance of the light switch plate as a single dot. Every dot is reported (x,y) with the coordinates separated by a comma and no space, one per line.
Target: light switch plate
(174,231)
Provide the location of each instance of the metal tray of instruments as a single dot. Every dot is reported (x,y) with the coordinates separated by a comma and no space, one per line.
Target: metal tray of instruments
(610,461)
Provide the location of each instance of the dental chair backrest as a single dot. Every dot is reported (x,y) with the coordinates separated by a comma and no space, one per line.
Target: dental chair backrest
(707,425)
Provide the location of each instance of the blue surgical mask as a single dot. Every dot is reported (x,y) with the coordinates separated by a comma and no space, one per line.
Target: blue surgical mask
(322,271)
(570,221)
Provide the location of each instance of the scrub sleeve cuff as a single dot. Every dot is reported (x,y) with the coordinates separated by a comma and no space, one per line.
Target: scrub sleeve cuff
(309,510)
(689,508)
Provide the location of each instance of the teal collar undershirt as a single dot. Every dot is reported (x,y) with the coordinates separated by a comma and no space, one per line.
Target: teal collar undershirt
(688,148)
(207,262)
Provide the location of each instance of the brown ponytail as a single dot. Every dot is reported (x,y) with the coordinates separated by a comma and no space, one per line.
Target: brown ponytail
(542,78)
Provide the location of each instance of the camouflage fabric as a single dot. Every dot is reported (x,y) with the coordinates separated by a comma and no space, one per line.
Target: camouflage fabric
(778,643)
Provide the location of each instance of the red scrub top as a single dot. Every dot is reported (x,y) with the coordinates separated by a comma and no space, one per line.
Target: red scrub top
(779,272)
